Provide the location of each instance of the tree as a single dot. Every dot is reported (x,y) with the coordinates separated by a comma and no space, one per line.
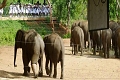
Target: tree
(3,4)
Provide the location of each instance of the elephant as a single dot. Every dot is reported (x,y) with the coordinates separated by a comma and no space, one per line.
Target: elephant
(32,46)
(54,52)
(84,25)
(117,42)
(72,27)
(77,39)
(106,41)
(113,26)
(96,40)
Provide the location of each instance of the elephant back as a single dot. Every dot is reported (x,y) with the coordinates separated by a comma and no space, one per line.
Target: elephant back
(54,47)
(113,25)
(30,35)
(76,35)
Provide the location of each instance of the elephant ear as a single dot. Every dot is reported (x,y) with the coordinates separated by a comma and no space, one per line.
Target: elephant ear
(19,35)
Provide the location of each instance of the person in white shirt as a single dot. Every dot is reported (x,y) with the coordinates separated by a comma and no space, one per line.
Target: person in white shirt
(1,12)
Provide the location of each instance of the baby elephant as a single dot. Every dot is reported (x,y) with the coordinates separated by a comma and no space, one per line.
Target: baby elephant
(54,52)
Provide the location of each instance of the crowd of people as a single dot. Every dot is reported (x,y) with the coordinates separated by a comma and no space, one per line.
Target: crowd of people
(35,9)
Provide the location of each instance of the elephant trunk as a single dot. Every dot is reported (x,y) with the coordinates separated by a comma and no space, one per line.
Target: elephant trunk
(15,52)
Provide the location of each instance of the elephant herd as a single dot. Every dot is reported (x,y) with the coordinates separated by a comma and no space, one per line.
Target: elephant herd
(34,46)
(103,40)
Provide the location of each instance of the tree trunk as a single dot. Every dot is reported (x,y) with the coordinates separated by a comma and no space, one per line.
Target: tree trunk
(68,12)
(44,2)
(51,21)
(3,4)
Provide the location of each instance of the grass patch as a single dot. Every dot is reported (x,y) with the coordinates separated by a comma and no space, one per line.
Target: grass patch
(8,29)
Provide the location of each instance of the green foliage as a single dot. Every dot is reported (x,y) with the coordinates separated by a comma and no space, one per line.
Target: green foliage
(68,35)
(78,8)
(9,28)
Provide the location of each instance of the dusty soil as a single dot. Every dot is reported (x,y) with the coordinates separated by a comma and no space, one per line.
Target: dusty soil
(86,67)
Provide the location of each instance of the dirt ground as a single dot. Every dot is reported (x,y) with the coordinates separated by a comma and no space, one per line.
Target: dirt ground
(86,67)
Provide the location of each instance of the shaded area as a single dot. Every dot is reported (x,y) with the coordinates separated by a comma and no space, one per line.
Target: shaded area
(12,75)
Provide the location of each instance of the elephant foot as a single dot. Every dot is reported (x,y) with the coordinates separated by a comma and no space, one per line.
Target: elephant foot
(49,75)
(29,69)
(47,71)
(35,76)
(54,76)
(61,77)
(26,74)
(40,74)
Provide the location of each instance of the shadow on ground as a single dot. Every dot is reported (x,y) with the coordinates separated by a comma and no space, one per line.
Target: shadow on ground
(13,75)
(6,74)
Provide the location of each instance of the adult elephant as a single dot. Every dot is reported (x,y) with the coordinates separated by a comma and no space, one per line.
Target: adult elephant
(117,42)
(106,41)
(72,27)
(32,50)
(84,25)
(113,26)
(54,52)
(77,39)
(96,40)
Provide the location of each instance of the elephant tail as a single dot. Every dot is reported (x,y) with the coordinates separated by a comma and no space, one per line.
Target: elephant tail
(15,53)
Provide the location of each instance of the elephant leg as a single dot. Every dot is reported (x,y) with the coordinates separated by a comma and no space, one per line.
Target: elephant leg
(25,63)
(85,44)
(94,49)
(116,52)
(107,52)
(50,68)
(34,67)
(81,51)
(104,51)
(46,66)
(79,48)
(40,61)
(119,52)
(61,69)
(89,42)
(55,70)
(72,48)
(75,49)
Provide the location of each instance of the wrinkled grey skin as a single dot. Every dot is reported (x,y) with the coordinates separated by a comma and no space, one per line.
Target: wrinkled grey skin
(96,40)
(77,39)
(32,50)
(84,26)
(106,41)
(54,52)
